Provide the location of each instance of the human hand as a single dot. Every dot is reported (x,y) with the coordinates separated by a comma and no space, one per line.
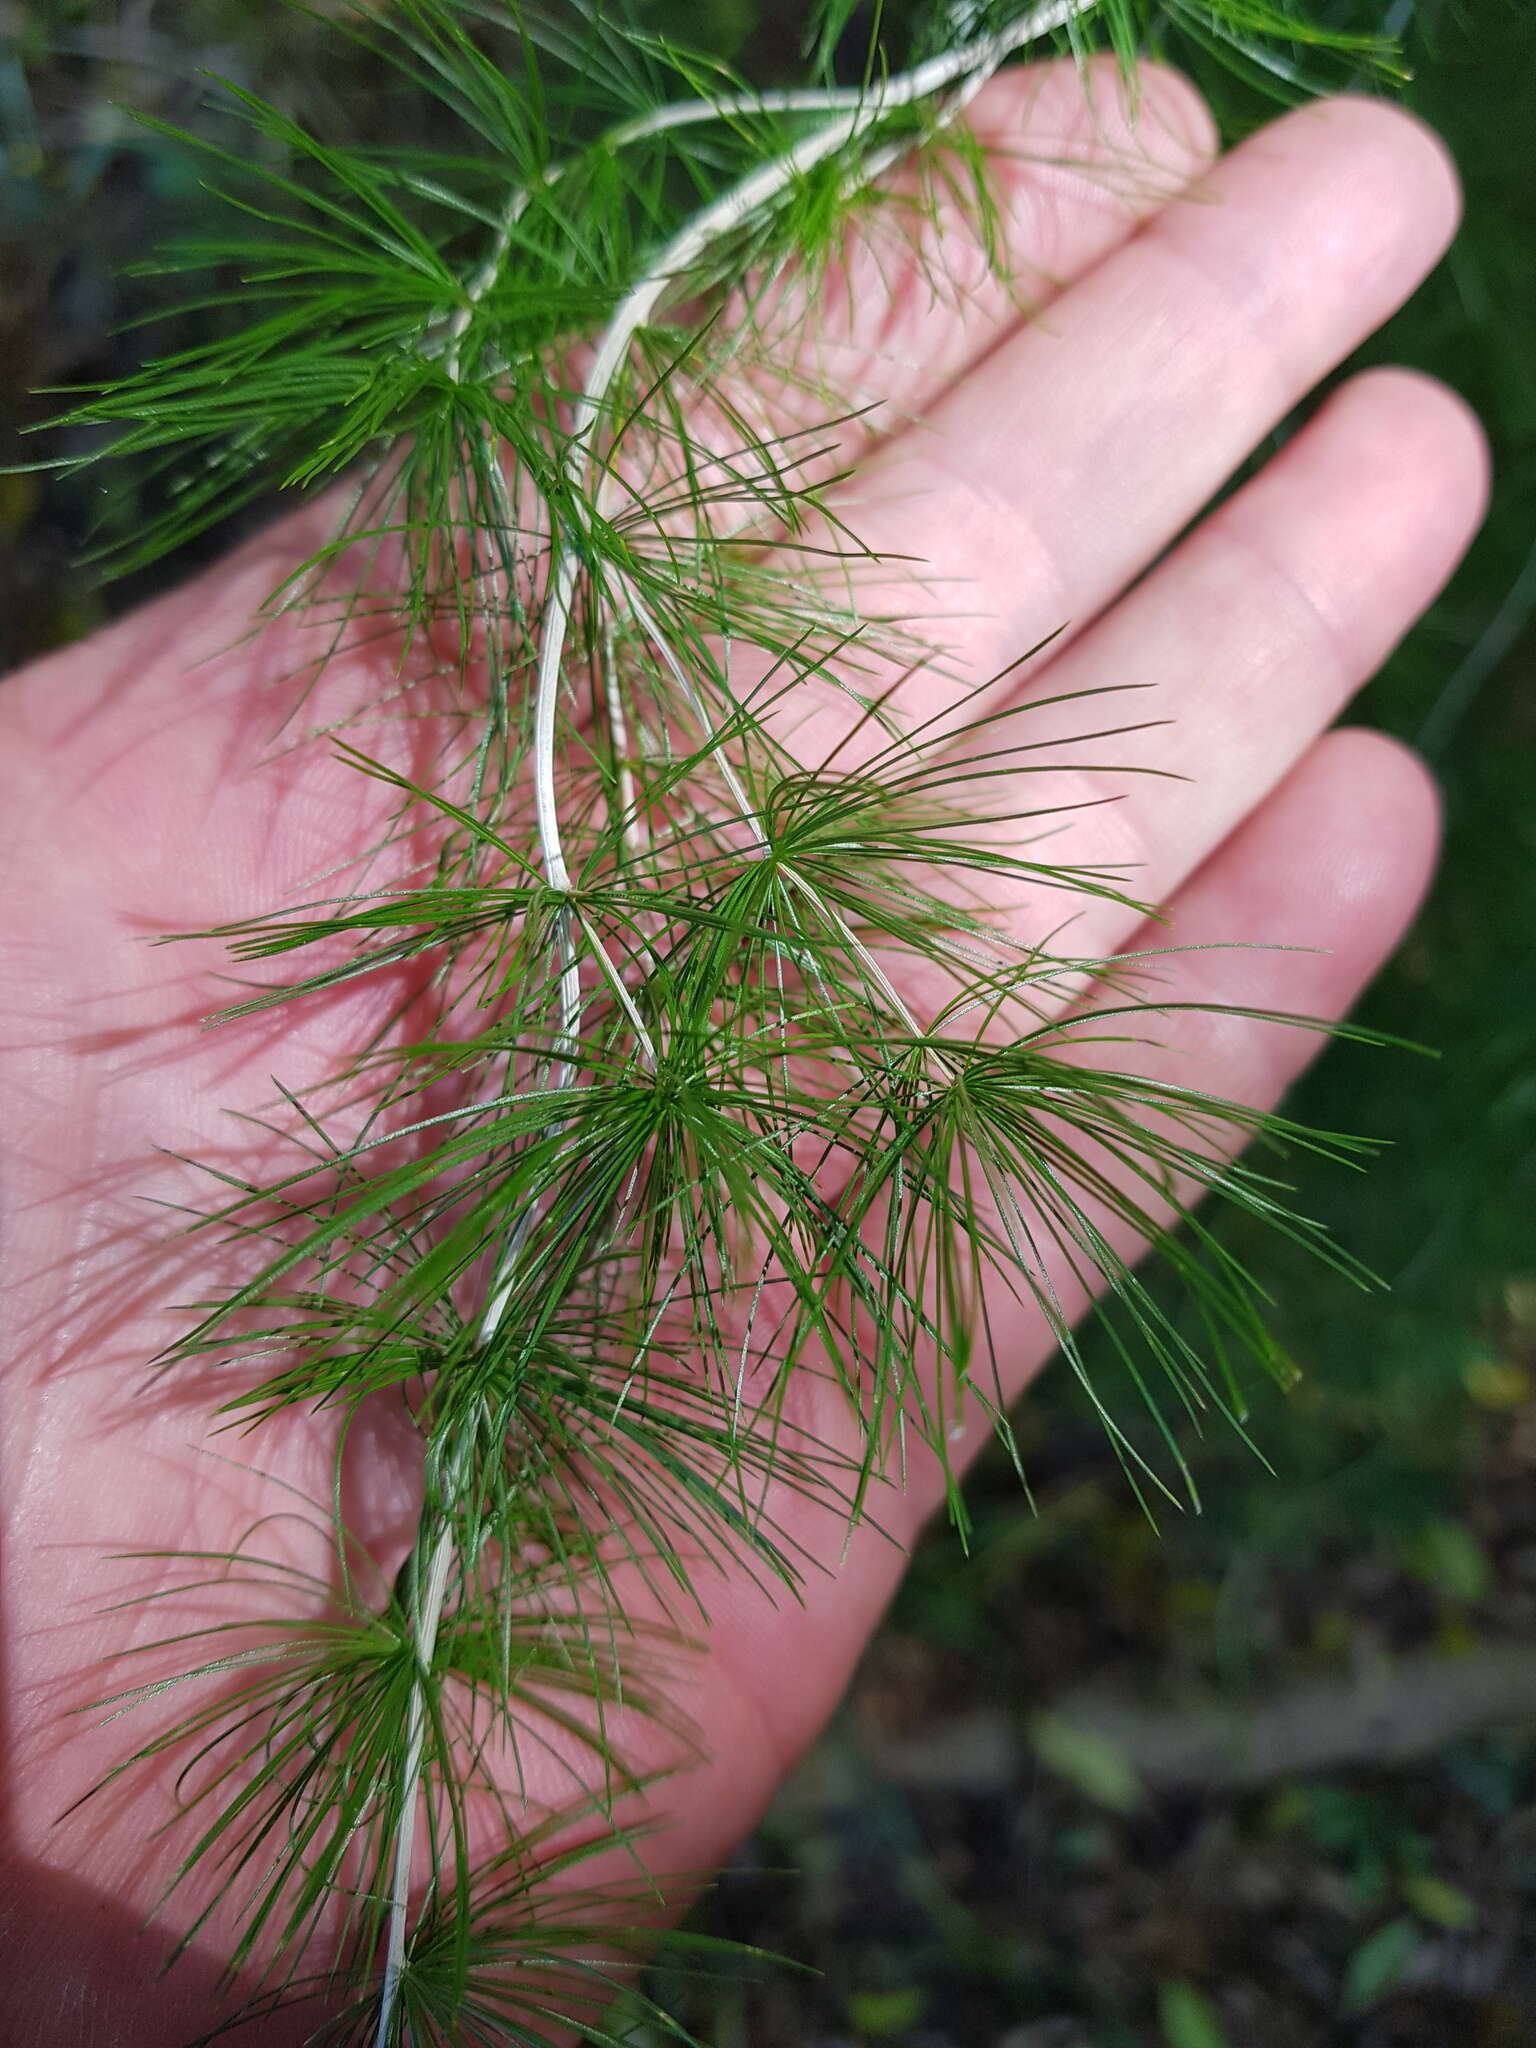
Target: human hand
(1054,461)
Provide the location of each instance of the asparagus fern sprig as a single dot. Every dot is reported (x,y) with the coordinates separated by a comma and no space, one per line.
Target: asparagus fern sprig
(736,1100)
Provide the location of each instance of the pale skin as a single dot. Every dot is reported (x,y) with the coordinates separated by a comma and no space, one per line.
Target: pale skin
(1055,461)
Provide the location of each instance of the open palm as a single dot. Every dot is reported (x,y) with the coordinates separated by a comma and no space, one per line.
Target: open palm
(1178,314)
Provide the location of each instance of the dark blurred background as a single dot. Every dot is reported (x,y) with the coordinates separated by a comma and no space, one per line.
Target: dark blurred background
(1266,1776)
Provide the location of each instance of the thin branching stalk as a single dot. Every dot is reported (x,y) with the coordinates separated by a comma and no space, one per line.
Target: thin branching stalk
(971,65)
(429,1621)
(705,1137)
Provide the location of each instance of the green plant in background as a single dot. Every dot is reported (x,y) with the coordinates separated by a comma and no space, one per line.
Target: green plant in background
(673,1146)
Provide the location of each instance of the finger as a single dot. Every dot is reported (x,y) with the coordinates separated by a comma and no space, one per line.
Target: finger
(1041,485)
(930,282)
(829,361)
(1336,861)
(1244,645)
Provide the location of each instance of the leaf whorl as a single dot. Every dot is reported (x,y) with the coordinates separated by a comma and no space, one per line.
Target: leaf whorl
(680,1168)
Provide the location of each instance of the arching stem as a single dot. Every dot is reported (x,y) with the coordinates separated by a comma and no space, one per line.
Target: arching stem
(961,73)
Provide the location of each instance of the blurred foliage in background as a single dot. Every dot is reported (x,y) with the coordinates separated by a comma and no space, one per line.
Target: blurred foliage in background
(1267,1775)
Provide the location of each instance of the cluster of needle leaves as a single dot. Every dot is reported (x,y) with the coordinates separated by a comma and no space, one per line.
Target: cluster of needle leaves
(673,1171)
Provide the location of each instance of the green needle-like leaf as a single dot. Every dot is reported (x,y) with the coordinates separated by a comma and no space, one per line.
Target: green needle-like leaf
(715,1090)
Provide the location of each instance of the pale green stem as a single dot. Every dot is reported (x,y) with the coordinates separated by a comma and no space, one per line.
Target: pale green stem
(966,68)
(428,1621)
(679,114)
